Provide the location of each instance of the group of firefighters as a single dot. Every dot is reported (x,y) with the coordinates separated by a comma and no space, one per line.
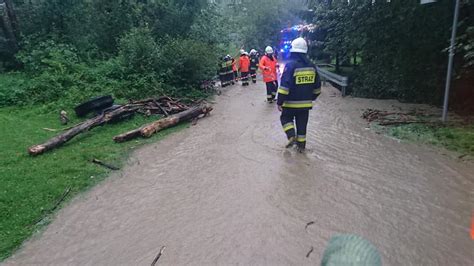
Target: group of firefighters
(300,85)
(248,64)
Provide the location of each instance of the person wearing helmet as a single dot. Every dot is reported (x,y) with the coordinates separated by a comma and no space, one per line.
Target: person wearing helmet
(223,71)
(244,66)
(268,65)
(253,65)
(300,86)
(235,73)
(229,70)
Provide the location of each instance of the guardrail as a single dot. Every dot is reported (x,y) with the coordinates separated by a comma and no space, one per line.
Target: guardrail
(328,75)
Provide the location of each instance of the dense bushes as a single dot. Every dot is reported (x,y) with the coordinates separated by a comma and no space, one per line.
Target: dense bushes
(73,50)
(402,45)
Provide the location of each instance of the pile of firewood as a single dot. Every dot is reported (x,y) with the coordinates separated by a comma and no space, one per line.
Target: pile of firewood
(385,118)
(173,110)
(163,105)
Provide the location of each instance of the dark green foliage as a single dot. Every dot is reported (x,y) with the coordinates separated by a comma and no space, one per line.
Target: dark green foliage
(138,52)
(73,50)
(402,45)
(187,62)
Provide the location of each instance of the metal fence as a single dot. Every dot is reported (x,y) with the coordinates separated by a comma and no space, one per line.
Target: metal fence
(327,75)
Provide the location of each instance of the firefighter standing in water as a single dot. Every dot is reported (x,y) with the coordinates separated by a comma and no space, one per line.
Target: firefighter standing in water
(268,64)
(253,65)
(300,86)
(244,67)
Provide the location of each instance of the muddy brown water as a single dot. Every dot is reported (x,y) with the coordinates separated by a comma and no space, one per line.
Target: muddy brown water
(225,191)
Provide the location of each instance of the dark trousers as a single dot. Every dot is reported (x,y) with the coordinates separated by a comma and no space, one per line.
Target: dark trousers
(271,90)
(236,76)
(222,79)
(288,118)
(230,77)
(245,78)
(253,74)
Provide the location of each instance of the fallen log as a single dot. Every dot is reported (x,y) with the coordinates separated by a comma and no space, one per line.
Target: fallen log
(156,126)
(102,119)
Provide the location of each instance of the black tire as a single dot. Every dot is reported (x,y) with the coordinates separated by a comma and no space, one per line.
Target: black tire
(94,105)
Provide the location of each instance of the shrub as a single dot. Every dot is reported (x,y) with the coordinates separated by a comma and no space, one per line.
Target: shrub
(48,55)
(186,62)
(138,52)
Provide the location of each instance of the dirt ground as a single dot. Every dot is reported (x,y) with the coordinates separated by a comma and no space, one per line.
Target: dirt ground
(226,191)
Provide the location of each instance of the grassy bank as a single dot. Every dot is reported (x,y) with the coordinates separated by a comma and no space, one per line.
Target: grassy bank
(455,138)
(31,186)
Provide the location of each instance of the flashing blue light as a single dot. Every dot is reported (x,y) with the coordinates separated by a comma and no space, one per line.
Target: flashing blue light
(286,46)
(281,50)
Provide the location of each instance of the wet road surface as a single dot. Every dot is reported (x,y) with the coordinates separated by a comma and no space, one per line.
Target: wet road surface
(226,192)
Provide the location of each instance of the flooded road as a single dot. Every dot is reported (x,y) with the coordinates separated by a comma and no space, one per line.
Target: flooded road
(226,192)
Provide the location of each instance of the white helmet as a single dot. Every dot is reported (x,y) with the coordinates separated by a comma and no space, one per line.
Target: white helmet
(299,45)
(242,51)
(253,51)
(269,50)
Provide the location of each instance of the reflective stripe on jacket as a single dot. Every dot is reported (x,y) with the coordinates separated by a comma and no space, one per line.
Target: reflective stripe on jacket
(253,62)
(300,85)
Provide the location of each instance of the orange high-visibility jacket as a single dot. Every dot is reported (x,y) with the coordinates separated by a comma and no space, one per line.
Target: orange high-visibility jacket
(234,65)
(268,67)
(244,63)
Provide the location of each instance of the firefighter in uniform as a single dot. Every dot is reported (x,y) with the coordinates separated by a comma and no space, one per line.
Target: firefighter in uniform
(229,72)
(223,71)
(253,65)
(235,70)
(268,65)
(244,67)
(300,86)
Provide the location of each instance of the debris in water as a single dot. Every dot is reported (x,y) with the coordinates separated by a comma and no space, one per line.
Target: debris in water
(309,252)
(106,165)
(308,224)
(158,256)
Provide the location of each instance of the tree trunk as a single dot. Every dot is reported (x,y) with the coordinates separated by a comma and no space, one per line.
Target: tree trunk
(154,127)
(12,17)
(9,25)
(82,127)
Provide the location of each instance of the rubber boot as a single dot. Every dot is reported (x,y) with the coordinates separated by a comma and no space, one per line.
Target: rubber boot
(301,147)
(291,142)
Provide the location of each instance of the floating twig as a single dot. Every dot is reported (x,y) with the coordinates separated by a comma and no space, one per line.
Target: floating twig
(309,252)
(308,224)
(158,256)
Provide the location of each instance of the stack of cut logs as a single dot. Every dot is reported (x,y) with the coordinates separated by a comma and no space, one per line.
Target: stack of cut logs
(174,112)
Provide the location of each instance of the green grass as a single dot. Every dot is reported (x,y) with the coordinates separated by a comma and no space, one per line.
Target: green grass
(455,138)
(31,186)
